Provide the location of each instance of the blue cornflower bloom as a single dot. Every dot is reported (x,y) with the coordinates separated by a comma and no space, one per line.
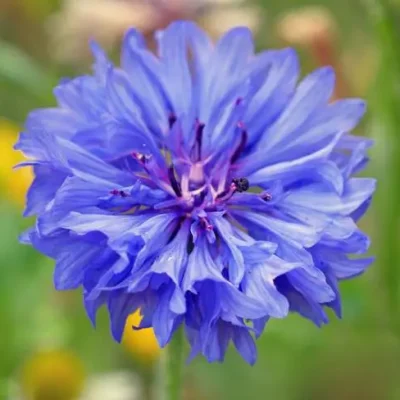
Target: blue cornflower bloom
(204,185)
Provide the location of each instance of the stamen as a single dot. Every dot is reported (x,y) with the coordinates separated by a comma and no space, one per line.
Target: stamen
(185,185)
(116,192)
(206,224)
(199,190)
(199,198)
(238,101)
(196,173)
(213,192)
(168,204)
(141,158)
(199,138)
(266,196)
(240,148)
(222,194)
(171,120)
(174,183)
(228,193)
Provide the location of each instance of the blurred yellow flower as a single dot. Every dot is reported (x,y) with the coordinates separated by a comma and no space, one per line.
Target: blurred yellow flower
(142,344)
(53,375)
(14,183)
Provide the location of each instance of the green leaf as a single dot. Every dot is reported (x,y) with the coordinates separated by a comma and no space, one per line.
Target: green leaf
(18,68)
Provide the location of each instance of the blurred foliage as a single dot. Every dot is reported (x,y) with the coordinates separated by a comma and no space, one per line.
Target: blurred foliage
(386,120)
(353,358)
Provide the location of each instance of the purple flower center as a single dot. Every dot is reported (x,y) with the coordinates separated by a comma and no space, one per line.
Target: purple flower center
(196,182)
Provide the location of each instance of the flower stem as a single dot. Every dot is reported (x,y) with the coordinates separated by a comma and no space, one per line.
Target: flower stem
(171,368)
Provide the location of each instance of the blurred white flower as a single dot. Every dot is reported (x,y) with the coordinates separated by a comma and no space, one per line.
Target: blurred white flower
(78,21)
(113,386)
(119,385)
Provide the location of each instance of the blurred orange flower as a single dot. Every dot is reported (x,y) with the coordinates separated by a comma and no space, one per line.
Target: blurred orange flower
(142,344)
(14,183)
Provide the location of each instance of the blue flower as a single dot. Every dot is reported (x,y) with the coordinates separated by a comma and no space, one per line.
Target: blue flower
(205,185)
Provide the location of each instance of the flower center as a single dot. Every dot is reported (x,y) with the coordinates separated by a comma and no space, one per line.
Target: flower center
(196,181)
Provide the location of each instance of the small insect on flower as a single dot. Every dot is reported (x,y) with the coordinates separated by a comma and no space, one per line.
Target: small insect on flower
(212,191)
(242,184)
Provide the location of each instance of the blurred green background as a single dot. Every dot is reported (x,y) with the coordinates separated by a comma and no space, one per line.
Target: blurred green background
(49,350)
